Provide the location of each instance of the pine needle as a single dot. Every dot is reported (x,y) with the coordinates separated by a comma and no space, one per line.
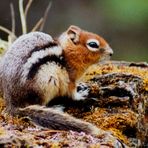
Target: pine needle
(12,18)
(45,15)
(38,24)
(22,16)
(27,7)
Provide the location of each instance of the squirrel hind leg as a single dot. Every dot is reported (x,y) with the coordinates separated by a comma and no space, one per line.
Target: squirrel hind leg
(54,119)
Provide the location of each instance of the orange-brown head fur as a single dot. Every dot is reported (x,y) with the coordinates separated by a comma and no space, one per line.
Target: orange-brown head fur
(77,54)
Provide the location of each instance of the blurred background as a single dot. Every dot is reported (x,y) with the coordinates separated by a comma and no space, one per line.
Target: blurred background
(124,24)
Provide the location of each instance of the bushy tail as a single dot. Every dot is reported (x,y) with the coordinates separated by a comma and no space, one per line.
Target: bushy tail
(54,119)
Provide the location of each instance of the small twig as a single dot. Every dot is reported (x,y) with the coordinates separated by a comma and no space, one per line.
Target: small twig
(27,7)
(11,35)
(38,24)
(45,15)
(22,16)
(12,18)
(7,31)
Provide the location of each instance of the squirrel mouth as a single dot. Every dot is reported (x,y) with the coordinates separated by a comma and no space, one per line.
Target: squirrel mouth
(104,59)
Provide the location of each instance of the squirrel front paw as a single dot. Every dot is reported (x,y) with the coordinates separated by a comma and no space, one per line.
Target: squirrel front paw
(81,92)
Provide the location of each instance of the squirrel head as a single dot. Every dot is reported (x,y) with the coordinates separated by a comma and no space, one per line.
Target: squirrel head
(80,40)
(83,48)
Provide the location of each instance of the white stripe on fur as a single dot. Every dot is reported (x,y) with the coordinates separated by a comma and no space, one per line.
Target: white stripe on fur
(36,56)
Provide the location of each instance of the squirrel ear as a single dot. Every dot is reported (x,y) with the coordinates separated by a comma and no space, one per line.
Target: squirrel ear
(74,33)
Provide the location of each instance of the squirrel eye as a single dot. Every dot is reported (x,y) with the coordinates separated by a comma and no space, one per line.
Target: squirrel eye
(93,45)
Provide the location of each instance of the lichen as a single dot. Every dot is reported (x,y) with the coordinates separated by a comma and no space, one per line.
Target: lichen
(110,68)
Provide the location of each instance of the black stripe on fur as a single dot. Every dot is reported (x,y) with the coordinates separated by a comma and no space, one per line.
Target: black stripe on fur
(43,47)
(36,66)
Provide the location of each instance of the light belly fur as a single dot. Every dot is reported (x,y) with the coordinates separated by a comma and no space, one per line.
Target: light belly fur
(52,80)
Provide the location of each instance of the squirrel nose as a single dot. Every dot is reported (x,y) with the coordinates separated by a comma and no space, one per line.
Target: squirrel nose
(111,54)
(110,51)
(107,50)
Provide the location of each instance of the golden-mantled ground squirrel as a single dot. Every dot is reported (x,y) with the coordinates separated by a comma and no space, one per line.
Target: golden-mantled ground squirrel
(36,69)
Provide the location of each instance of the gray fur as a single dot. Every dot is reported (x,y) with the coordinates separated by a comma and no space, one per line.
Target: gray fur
(12,69)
